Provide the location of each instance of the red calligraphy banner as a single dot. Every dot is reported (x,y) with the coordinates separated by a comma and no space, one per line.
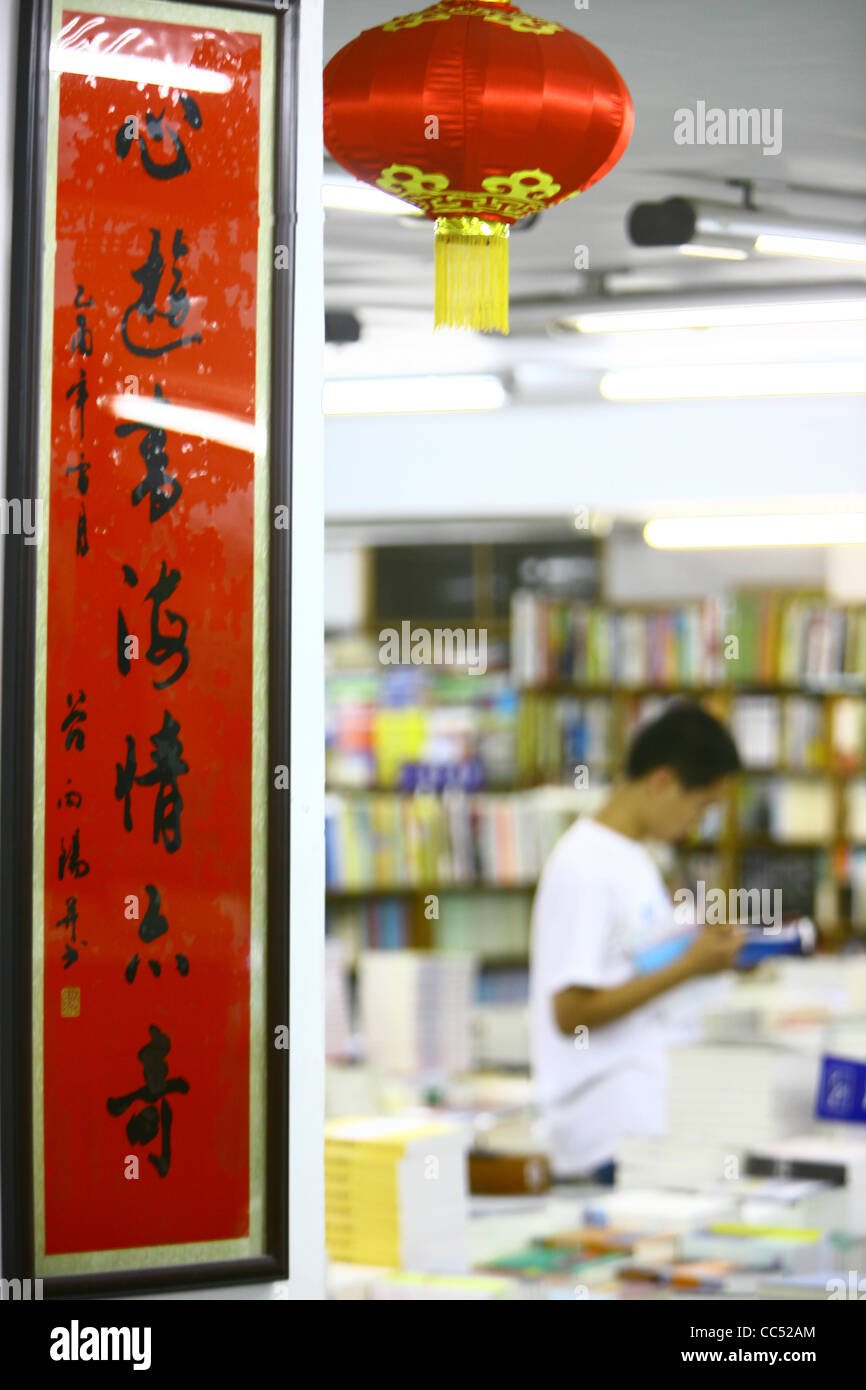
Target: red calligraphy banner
(148,734)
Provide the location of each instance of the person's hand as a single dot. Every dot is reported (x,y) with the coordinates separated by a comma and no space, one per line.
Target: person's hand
(714,949)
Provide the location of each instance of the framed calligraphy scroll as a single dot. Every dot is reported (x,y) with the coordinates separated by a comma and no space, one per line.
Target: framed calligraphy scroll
(145,816)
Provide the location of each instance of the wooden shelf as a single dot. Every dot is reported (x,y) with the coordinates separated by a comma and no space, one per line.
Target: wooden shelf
(439,889)
(814,692)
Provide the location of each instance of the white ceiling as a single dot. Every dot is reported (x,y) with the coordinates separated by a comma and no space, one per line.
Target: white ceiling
(807,59)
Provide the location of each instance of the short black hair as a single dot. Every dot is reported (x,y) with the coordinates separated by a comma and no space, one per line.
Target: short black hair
(688,739)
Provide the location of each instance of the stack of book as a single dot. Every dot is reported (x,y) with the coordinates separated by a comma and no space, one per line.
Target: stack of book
(739,1094)
(453,1288)
(655,1210)
(396,1193)
(416,1011)
(663,1161)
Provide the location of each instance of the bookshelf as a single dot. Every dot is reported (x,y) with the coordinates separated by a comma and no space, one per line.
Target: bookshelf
(792,685)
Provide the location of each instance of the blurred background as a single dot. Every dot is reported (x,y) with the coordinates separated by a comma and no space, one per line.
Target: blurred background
(655,485)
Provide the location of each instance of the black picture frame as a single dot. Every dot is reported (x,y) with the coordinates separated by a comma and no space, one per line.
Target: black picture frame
(18,675)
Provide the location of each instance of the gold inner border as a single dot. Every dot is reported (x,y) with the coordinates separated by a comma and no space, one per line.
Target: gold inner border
(201,1252)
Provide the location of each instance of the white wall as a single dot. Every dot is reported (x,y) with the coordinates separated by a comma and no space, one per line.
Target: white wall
(542,460)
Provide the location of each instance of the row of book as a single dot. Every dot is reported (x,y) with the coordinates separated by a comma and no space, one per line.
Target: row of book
(771,731)
(433,732)
(477,923)
(789,810)
(794,732)
(795,810)
(764,639)
(382,842)
(379,840)
(806,881)
(370,924)
(557,733)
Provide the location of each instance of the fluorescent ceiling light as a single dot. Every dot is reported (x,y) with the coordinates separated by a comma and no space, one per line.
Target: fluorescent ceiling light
(361,197)
(695,382)
(722,532)
(715,253)
(126,67)
(816,248)
(718,315)
(396,395)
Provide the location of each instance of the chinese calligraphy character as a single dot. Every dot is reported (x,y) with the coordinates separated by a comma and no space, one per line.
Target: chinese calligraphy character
(163,645)
(82,468)
(74,735)
(168,765)
(82,339)
(70,954)
(156,479)
(153,925)
(177,166)
(72,798)
(149,276)
(78,389)
(143,1127)
(70,859)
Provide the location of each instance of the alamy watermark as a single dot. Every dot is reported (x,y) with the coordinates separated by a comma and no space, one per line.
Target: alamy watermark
(438,646)
(22,517)
(738,907)
(738,126)
(20,1289)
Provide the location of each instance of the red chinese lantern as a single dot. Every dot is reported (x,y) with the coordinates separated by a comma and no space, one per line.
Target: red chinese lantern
(479,115)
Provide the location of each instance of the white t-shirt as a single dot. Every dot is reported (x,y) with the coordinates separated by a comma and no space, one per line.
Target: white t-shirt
(600,900)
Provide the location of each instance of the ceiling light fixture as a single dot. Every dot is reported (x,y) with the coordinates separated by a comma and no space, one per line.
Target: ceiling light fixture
(686,221)
(715,253)
(732,532)
(657,313)
(814,248)
(707,382)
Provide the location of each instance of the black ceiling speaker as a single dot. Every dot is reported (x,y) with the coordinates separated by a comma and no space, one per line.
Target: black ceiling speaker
(670,223)
(341,327)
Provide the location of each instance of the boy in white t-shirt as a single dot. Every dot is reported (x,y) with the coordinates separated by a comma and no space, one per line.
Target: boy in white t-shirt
(597,1020)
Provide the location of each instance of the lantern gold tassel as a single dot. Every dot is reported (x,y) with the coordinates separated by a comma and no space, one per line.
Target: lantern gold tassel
(472,274)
